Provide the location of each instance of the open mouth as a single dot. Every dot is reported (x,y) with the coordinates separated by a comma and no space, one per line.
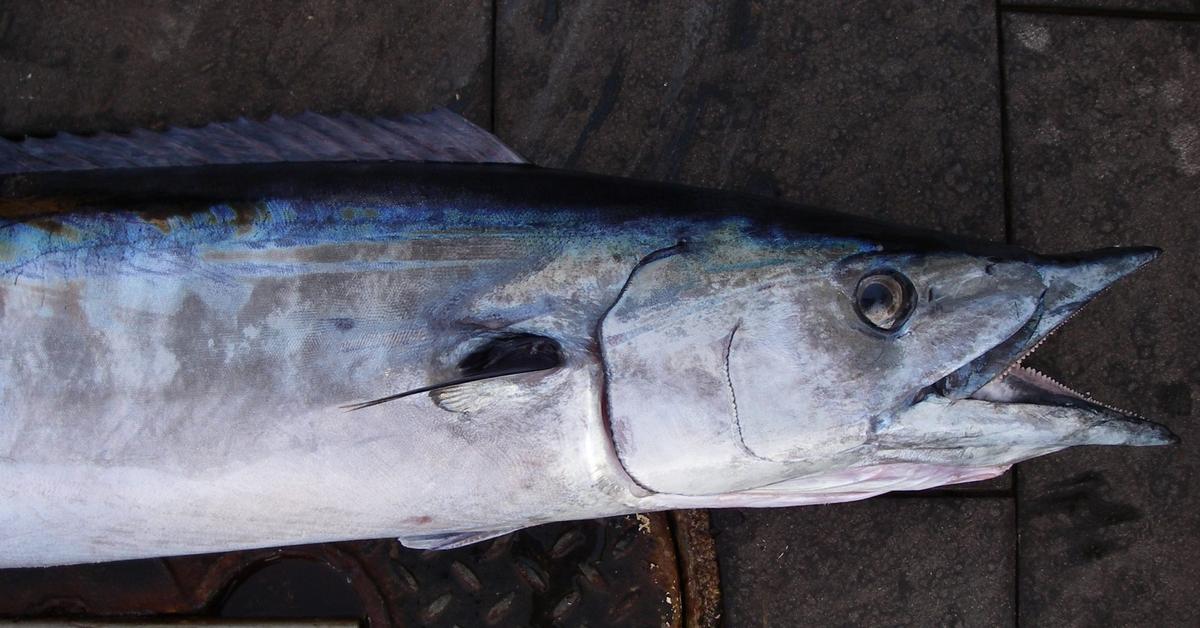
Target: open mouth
(999,375)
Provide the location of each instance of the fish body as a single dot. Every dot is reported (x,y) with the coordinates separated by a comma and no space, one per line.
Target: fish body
(191,353)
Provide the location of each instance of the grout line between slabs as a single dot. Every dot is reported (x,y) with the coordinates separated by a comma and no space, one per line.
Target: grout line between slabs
(495,7)
(1009,237)
(1016,549)
(1128,14)
(1005,163)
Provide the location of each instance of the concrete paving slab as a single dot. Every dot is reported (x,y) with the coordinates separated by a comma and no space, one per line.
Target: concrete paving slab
(887,111)
(880,562)
(110,65)
(1105,150)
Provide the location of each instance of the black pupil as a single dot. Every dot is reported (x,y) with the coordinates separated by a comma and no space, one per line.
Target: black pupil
(877,301)
(884,300)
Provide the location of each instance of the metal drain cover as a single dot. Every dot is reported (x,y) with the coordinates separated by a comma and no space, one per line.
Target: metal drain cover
(624,571)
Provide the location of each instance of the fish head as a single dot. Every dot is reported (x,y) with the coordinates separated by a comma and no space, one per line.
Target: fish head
(769,360)
(992,411)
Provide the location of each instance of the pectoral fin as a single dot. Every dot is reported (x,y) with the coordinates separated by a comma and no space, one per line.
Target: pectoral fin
(509,354)
(474,396)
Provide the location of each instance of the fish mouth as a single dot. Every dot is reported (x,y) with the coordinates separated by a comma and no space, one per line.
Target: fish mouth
(999,376)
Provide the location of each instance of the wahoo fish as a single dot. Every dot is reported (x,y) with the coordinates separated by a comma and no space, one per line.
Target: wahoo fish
(320,328)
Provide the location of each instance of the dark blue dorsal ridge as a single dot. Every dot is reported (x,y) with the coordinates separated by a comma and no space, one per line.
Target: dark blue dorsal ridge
(437,136)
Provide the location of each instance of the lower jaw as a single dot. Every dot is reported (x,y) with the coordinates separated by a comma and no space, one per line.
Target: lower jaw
(1021,384)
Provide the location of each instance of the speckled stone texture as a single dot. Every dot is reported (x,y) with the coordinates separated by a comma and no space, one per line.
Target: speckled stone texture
(1105,150)
(1158,6)
(112,65)
(878,109)
(882,562)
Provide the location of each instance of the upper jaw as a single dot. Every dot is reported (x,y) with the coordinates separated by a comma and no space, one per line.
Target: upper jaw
(997,376)
(1069,283)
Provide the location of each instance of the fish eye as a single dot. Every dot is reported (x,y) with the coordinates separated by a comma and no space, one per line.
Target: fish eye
(885,300)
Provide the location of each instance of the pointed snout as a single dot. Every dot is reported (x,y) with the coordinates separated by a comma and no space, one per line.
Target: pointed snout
(1116,429)
(1073,280)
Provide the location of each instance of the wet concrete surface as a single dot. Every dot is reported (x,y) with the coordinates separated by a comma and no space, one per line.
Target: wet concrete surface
(920,113)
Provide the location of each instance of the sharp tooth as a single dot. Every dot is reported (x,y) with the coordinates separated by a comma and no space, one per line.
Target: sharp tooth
(1070,391)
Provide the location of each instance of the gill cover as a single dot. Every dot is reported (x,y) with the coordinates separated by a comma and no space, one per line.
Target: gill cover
(670,406)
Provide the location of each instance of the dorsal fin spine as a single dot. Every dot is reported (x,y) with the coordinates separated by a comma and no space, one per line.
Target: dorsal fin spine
(438,136)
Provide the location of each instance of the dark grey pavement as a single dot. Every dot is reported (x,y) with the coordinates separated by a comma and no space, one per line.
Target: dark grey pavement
(822,103)
(1058,125)
(882,562)
(113,65)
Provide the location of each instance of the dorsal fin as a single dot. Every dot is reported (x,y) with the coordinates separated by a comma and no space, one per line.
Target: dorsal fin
(439,135)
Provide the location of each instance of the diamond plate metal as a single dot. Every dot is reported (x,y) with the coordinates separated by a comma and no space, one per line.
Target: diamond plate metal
(616,572)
